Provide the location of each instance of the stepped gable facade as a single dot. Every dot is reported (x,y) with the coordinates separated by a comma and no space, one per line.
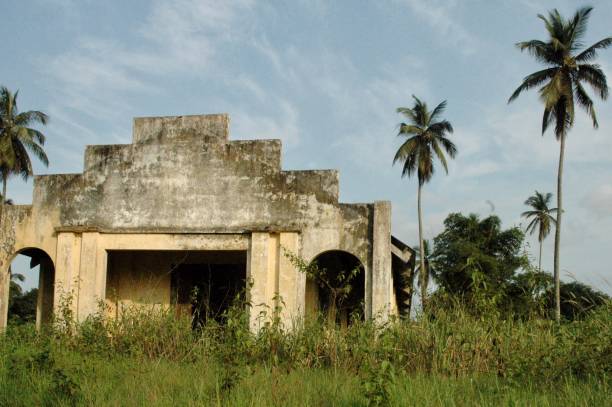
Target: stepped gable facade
(183,209)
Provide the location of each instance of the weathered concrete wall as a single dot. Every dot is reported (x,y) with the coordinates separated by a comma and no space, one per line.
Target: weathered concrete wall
(183,185)
(202,129)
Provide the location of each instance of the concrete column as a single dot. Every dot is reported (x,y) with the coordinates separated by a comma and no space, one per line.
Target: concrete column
(67,266)
(274,278)
(5,278)
(257,274)
(381,278)
(291,282)
(92,275)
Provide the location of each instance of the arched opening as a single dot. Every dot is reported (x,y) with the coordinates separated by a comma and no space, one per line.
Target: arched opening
(337,290)
(31,288)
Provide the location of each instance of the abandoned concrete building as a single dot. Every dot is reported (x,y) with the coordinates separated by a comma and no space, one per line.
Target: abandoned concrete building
(184,207)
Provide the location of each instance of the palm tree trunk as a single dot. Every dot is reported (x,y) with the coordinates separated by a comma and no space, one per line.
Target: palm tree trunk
(540,259)
(558,229)
(423,271)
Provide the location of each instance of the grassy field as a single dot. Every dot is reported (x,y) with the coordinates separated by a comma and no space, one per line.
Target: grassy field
(453,359)
(132,382)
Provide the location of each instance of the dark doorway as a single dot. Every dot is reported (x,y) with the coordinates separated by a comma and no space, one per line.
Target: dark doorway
(200,285)
(207,290)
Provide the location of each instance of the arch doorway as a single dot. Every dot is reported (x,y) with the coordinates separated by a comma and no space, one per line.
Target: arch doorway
(338,293)
(31,288)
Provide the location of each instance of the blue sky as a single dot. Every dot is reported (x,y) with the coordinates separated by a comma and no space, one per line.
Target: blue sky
(326,78)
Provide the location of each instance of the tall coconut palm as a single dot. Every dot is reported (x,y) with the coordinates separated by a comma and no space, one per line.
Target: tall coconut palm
(427,269)
(18,139)
(561,84)
(541,217)
(426,136)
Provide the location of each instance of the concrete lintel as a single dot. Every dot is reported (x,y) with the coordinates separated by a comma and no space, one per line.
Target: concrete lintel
(170,231)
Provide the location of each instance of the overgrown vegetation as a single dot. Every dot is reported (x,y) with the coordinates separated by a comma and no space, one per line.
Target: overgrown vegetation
(22,305)
(336,287)
(447,355)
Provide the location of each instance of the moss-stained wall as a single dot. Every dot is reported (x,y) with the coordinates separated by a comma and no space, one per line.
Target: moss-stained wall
(182,180)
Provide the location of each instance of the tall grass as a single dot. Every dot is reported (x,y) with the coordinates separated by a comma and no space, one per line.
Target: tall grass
(445,357)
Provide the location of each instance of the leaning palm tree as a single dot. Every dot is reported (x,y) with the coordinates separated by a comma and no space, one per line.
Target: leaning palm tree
(18,139)
(561,87)
(426,137)
(541,217)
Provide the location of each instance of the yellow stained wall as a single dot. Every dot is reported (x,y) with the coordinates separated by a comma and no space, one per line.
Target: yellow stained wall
(137,278)
(274,278)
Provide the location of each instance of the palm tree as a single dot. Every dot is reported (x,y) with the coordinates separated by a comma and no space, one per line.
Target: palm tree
(427,269)
(18,139)
(541,218)
(567,70)
(425,137)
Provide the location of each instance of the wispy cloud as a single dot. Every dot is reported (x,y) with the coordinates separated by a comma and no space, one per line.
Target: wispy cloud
(179,36)
(283,125)
(98,77)
(599,200)
(442,17)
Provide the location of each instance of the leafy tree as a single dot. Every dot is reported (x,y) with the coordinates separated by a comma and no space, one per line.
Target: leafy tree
(526,293)
(541,218)
(22,306)
(16,278)
(474,254)
(561,87)
(578,299)
(426,137)
(18,139)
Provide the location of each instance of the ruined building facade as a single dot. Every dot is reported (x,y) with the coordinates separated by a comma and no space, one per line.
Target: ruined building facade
(183,207)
